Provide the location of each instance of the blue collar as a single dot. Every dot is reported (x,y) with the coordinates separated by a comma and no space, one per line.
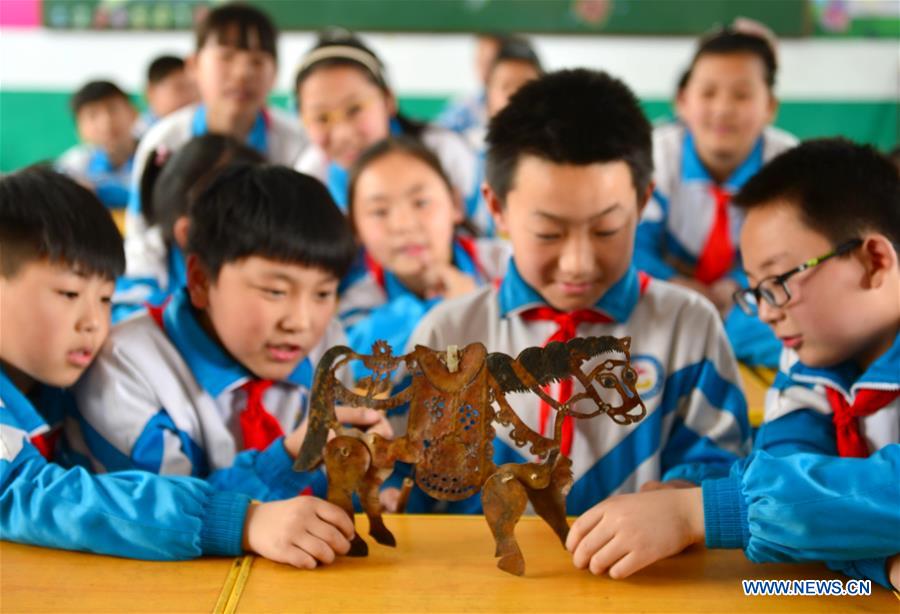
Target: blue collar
(258,138)
(516,295)
(25,415)
(211,365)
(338,183)
(177,268)
(99,163)
(885,371)
(882,374)
(692,168)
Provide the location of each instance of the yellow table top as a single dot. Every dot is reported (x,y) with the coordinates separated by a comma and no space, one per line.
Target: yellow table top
(756,381)
(446,564)
(118,216)
(36,579)
(441,564)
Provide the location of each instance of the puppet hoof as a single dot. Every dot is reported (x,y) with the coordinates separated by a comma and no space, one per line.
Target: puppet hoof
(512,563)
(383,536)
(358,547)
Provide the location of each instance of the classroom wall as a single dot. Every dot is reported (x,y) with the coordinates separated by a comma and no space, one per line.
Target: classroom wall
(827,87)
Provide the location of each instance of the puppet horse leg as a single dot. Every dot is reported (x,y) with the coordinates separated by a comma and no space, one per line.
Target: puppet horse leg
(347,459)
(381,467)
(550,502)
(503,498)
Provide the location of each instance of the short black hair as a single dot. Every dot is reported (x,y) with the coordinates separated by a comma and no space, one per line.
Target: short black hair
(575,116)
(272,212)
(95,91)
(516,49)
(162,67)
(728,41)
(44,214)
(171,182)
(841,189)
(239,25)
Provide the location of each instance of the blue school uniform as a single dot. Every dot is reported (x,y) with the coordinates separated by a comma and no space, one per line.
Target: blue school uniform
(131,514)
(179,397)
(131,293)
(810,507)
(91,165)
(794,499)
(799,417)
(376,305)
(696,424)
(466,116)
(678,224)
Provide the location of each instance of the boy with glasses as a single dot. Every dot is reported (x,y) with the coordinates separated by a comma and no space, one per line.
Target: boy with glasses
(819,246)
(774,290)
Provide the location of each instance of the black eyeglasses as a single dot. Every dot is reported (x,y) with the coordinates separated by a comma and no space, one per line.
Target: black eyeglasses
(774,289)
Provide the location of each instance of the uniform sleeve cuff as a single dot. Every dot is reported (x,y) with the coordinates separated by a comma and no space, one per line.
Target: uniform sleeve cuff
(276,467)
(725,514)
(223,524)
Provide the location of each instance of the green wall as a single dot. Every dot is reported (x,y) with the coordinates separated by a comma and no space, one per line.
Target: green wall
(37,126)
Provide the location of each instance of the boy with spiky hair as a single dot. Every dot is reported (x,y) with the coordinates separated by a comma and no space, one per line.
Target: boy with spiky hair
(568,172)
(214,384)
(61,252)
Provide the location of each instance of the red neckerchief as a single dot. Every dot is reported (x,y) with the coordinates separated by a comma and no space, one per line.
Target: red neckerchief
(46,442)
(717,257)
(259,428)
(567,329)
(846,417)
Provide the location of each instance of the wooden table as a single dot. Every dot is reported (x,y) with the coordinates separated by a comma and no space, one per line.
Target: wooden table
(446,564)
(756,381)
(441,564)
(43,580)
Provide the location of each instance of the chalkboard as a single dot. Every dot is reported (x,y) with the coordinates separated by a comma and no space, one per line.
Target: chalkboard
(645,17)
